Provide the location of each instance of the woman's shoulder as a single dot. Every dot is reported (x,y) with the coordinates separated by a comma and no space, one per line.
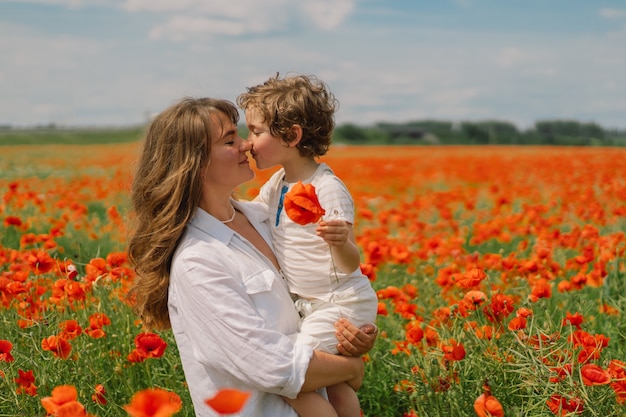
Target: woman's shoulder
(256,211)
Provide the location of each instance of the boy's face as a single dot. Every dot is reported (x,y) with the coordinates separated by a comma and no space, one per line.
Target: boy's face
(267,150)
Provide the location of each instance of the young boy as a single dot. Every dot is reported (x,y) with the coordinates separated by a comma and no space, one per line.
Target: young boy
(291,121)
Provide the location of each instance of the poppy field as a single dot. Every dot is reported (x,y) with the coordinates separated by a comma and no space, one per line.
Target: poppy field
(499,271)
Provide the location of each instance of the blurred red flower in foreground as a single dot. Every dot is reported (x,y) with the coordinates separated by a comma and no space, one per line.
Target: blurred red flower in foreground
(64,402)
(302,205)
(486,405)
(154,402)
(228,401)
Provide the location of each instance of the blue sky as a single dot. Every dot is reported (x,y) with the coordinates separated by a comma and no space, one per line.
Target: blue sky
(116,62)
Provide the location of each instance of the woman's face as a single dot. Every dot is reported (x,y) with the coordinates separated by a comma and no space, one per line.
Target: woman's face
(228,165)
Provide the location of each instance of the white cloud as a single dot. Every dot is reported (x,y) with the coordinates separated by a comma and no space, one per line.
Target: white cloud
(194,18)
(216,8)
(327,14)
(612,13)
(182,28)
(69,4)
(511,56)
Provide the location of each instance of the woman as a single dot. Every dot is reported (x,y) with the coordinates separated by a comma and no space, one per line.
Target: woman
(205,268)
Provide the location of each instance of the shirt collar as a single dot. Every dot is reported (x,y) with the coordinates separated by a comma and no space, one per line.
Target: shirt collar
(255,212)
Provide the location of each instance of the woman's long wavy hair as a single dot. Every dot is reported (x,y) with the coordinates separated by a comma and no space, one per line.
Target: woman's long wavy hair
(166,190)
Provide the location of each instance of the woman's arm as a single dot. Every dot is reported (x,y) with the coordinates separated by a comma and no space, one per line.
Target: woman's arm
(326,369)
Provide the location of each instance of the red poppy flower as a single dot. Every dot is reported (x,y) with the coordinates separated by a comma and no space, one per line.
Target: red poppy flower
(455,351)
(414,333)
(99,395)
(486,405)
(98,320)
(471,278)
(562,406)
(540,289)
(71,271)
(594,375)
(40,262)
(12,221)
(70,329)
(5,351)
(562,373)
(301,204)
(617,369)
(228,401)
(574,319)
(369,271)
(150,345)
(382,309)
(154,402)
(500,307)
(135,357)
(475,297)
(517,323)
(63,402)
(95,333)
(116,259)
(59,347)
(26,383)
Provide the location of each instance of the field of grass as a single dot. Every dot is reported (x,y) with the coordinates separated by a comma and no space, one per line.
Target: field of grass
(69,136)
(499,270)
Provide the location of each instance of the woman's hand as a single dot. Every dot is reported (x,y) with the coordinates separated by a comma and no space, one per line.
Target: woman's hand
(354,341)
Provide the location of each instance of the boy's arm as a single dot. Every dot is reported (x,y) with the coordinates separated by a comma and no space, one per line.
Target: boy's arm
(339,234)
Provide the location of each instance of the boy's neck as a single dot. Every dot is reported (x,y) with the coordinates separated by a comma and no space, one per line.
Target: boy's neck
(300,169)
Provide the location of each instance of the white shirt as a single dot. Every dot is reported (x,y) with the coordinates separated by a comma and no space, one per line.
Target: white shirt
(304,257)
(233,319)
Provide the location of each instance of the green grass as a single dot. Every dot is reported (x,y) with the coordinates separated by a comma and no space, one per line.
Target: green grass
(75,136)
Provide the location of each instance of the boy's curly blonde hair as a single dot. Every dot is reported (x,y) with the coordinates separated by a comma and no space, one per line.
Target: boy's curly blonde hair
(302,100)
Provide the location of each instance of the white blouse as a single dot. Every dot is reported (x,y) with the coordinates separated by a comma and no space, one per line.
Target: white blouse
(233,319)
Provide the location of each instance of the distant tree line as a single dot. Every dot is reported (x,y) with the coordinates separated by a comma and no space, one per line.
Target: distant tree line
(490,132)
(424,132)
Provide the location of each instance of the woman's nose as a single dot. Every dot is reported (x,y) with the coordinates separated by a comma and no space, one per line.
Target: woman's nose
(246,145)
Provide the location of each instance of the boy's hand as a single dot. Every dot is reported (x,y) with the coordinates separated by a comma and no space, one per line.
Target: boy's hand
(334,232)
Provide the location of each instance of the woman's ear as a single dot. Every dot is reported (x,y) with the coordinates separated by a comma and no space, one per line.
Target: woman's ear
(295,135)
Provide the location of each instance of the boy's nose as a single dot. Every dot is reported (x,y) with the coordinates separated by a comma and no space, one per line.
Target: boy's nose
(246,145)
